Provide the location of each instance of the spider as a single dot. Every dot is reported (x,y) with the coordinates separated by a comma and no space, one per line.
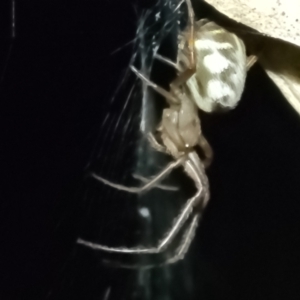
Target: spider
(212,67)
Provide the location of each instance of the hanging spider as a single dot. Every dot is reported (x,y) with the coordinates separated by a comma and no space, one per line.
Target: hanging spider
(212,66)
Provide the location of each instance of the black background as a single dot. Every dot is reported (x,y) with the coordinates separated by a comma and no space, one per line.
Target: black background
(58,75)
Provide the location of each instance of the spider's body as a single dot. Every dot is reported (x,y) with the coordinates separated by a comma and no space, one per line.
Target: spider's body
(212,66)
(221,69)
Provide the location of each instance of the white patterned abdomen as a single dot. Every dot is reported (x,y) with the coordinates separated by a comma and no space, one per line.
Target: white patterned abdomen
(221,67)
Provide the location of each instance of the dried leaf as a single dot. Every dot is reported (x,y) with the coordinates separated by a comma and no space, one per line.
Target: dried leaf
(276,18)
(272,33)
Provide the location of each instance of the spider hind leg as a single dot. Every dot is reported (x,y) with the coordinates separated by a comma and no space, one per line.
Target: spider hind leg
(151,184)
(178,223)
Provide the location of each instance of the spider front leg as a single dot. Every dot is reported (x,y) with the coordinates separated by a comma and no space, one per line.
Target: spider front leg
(207,151)
(169,97)
(183,76)
(191,70)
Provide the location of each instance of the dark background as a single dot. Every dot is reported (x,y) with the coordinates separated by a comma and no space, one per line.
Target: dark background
(57,78)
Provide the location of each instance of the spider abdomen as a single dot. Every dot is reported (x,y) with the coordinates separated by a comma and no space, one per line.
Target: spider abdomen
(220,67)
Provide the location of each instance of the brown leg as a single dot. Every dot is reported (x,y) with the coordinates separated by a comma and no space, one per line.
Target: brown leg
(207,150)
(188,73)
(251,60)
(167,61)
(169,97)
(155,144)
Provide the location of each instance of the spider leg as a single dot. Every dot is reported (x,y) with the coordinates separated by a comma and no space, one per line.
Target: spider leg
(186,241)
(251,60)
(167,61)
(179,252)
(157,88)
(184,76)
(190,71)
(206,148)
(155,144)
(162,244)
(158,186)
(147,186)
